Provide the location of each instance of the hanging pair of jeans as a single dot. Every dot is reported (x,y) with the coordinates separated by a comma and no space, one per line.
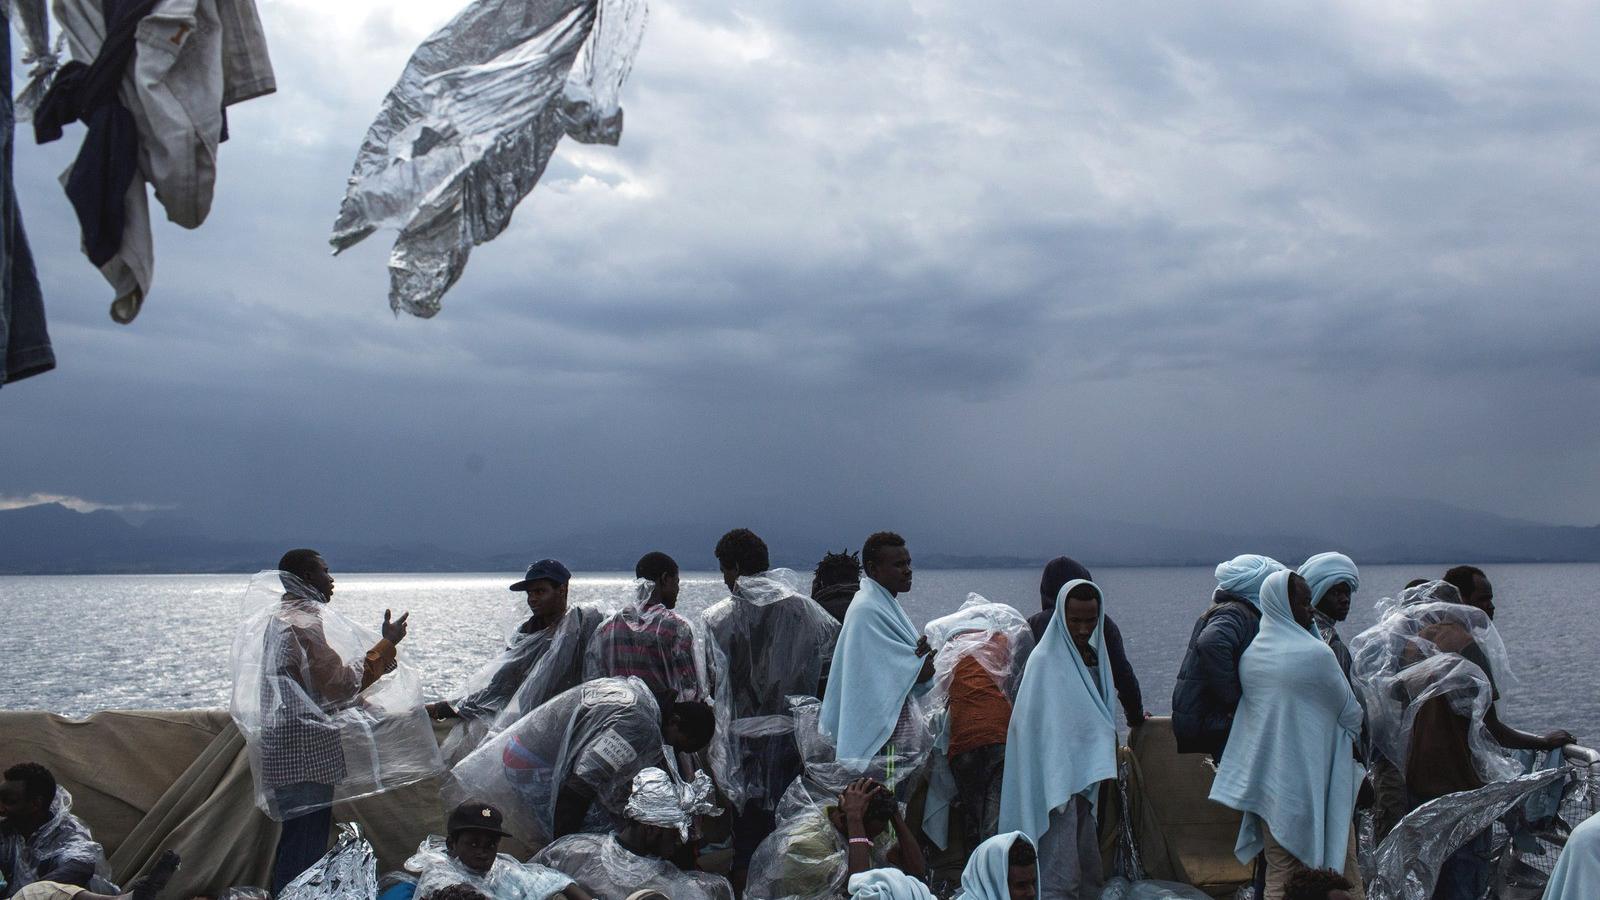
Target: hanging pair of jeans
(24,339)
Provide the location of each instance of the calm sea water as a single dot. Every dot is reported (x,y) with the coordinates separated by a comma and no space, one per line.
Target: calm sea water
(77,644)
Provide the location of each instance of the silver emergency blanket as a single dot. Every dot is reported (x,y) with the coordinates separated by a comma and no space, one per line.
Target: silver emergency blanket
(62,840)
(611,871)
(649,641)
(659,799)
(824,777)
(298,699)
(1119,888)
(764,644)
(32,21)
(1409,859)
(507,879)
(807,858)
(347,872)
(467,131)
(592,739)
(1422,650)
(537,664)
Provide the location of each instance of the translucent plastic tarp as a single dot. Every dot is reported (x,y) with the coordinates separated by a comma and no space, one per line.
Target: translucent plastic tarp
(660,799)
(507,879)
(1409,859)
(298,698)
(467,131)
(825,778)
(807,858)
(1422,650)
(347,872)
(994,635)
(610,871)
(650,642)
(1119,888)
(63,839)
(764,644)
(592,739)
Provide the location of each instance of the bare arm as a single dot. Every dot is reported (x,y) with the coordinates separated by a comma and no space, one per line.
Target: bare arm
(1513,739)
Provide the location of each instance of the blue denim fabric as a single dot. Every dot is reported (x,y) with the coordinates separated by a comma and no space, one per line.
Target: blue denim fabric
(1465,874)
(304,839)
(24,340)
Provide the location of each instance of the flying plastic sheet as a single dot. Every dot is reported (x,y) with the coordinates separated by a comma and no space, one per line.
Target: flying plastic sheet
(347,872)
(61,840)
(467,131)
(766,643)
(640,638)
(596,737)
(298,699)
(507,879)
(611,871)
(1423,650)
(825,778)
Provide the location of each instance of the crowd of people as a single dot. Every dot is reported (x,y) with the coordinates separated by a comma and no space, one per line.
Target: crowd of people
(769,748)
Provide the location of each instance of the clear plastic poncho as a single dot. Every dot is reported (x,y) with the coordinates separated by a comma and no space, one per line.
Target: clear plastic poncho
(507,879)
(825,778)
(302,700)
(467,131)
(1423,650)
(347,872)
(649,642)
(593,739)
(611,871)
(63,840)
(807,858)
(766,643)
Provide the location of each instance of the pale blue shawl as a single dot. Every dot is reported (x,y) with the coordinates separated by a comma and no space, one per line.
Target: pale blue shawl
(1063,736)
(988,872)
(1577,873)
(1325,570)
(1290,762)
(1243,575)
(888,884)
(875,668)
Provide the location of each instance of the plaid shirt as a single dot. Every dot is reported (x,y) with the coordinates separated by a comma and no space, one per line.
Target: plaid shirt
(655,645)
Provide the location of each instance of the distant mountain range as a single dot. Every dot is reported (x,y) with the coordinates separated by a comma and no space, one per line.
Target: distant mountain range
(52,539)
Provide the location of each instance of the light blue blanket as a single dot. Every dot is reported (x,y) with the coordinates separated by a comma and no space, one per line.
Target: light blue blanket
(988,872)
(1290,762)
(875,668)
(1325,570)
(1063,736)
(888,884)
(1577,873)
(1243,575)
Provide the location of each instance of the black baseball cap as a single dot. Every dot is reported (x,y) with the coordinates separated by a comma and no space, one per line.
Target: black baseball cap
(475,815)
(544,570)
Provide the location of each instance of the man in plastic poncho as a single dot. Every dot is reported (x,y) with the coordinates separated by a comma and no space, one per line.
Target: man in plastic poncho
(544,658)
(647,639)
(639,855)
(765,643)
(1004,867)
(300,757)
(813,855)
(881,665)
(40,838)
(1062,743)
(471,855)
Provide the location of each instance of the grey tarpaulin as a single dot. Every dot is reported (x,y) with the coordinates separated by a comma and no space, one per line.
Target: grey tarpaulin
(507,879)
(612,872)
(471,125)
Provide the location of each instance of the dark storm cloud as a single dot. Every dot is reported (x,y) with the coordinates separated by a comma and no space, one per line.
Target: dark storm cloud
(963,266)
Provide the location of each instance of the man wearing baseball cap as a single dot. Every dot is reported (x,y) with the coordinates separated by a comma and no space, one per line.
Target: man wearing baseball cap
(471,857)
(544,657)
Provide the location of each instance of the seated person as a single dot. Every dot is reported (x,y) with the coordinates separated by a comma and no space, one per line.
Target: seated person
(637,858)
(145,887)
(887,884)
(1004,867)
(40,838)
(470,856)
(814,854)
(567,766)
(1318,884)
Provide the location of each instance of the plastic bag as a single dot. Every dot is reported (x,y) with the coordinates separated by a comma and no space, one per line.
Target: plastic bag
(307,721)
(467,131)
(612,872)
(652,643)
(807,858)
(596,736)
(764,644)
(63,839)
(507,879)
(1423,650)
(347,872)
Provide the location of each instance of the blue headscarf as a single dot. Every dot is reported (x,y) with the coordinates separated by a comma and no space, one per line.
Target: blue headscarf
(1325,570)
(1063,735)
(1290,761)
(988,872)
(875,669)
(1243,575)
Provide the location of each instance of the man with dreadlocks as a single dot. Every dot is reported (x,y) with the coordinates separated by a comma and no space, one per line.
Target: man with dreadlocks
(835,581)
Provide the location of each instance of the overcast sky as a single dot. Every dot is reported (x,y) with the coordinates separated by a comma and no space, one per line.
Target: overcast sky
(962,270)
